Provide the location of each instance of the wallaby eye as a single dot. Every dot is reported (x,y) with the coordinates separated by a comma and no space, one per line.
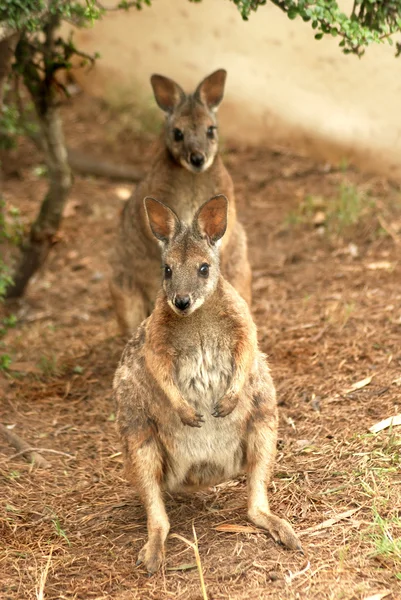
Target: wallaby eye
(204,270)
(210,132)
(178,135)
(167,272)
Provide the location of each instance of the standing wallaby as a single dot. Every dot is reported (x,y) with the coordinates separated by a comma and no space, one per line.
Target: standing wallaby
(186,170)
(196,403)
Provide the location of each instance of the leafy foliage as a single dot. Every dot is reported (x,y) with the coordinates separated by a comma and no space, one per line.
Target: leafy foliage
(370,20)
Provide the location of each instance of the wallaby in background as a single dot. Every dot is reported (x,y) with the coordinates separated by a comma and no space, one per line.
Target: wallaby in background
(196,403)
(186,170)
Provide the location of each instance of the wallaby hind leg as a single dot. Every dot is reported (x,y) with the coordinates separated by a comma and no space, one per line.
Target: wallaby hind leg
(131,308)
(144,468)
(261,451)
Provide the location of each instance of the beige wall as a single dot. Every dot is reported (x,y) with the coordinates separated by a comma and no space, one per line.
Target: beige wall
(283,86)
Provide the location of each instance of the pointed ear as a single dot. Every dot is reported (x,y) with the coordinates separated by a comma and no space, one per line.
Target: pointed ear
(211,218)
(163,221)
(210,91)
(168,94)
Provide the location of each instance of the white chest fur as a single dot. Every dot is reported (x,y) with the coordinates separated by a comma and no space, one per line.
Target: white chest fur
(212,453)
(203,373)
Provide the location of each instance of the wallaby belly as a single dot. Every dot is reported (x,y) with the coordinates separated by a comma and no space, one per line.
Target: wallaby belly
(213,453)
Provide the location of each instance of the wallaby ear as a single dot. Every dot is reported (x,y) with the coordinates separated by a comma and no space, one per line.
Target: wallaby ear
(210,91)
(163,221)
(168,93)
(211,218)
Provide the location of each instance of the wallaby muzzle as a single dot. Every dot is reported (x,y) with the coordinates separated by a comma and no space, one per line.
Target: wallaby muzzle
(182,302)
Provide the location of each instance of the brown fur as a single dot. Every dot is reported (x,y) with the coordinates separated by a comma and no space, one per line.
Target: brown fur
(135,259)
(195,399)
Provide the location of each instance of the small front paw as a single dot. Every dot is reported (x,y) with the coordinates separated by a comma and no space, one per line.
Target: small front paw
(190,417)
(225,406)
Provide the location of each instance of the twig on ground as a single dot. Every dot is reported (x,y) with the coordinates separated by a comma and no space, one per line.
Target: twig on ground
(88,165)
(43,576)
(292,575)
(330,522)
(29,449)
(25,449)
(195,548)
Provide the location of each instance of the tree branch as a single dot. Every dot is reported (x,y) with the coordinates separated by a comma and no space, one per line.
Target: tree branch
(23,448)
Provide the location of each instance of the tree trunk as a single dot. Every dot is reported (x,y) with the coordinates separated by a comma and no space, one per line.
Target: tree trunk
(8,42)
(41,238)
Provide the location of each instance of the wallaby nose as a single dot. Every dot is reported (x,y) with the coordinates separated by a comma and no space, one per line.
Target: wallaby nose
(182,302)
(197,159)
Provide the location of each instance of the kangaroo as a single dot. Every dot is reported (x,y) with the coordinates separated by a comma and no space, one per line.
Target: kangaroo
(186,169)
(195,399)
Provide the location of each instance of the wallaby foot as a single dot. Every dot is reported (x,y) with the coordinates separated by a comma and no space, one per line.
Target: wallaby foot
(260,460)
(131,308)
(280,530)
(151,555)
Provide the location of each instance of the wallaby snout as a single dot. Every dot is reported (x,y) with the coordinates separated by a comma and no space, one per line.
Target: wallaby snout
(197,159)
(182,302)
(191,125)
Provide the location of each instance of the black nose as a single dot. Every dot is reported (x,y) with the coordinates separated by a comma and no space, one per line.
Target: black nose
(197,159)
(182,302)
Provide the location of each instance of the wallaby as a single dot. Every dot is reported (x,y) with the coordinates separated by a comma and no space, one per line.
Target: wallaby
(195,399)
(186,169)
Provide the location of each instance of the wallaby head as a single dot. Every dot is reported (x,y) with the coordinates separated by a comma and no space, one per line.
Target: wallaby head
(191,124)
(190,254)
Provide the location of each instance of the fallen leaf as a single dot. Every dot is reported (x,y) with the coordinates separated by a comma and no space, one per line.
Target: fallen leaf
(378,596)
(71,208)
(24,367)
(359,384)
(319,218)
(184,567)
(232,528)
(391,421)
(381,265)
(329,522)
(123,192)
(302,444)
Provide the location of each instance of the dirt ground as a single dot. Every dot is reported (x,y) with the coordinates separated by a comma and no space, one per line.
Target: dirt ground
(324,245)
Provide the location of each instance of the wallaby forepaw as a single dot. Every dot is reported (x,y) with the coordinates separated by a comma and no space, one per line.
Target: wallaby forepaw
(151,557)
(225,406)
(190,417)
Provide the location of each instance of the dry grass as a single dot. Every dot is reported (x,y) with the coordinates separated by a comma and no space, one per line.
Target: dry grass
(328,317)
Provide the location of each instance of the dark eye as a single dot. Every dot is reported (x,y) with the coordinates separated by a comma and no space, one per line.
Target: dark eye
(210,132)
(167,272)
(178,135)
(204,270)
